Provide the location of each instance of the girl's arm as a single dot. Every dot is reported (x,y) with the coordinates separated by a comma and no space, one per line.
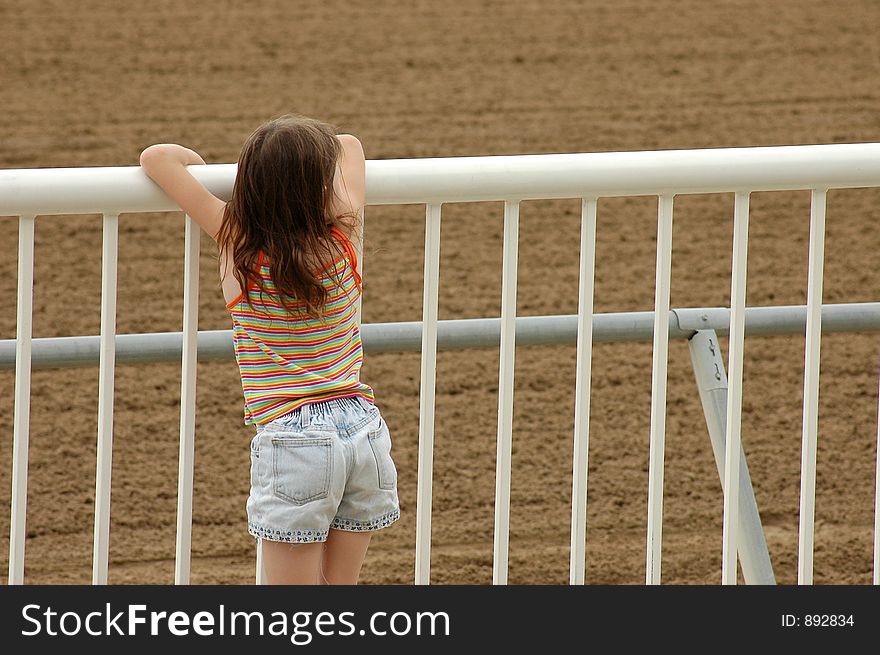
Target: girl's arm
(351,186)
(165,164)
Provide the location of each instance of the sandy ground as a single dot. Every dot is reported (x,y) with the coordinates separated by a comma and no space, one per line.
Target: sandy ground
(92,83)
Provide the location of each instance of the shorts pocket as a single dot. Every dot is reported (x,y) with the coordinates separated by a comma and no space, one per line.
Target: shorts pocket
(380,443)
(301,467)
(255,460)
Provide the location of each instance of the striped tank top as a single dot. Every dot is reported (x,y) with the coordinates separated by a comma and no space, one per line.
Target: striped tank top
(287,361)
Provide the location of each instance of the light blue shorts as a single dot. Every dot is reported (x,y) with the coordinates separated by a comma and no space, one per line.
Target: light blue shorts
(325,465)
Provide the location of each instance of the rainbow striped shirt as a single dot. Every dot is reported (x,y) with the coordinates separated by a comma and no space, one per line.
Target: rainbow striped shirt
(287,361)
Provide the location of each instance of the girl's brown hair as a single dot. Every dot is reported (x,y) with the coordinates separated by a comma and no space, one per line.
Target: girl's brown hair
(282,205)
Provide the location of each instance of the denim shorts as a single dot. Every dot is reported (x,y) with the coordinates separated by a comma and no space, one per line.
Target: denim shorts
(324,465)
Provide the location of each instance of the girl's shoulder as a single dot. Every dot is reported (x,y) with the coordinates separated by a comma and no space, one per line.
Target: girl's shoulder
(350,251)
(346,241)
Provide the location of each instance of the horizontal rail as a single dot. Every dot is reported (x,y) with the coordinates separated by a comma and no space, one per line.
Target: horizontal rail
(607,174)
(125,189)
(216,345)
(107,190)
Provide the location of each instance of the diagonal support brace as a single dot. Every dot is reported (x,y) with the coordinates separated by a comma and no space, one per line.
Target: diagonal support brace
(754,557)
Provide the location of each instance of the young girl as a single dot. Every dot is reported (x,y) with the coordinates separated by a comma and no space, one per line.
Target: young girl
(322,477)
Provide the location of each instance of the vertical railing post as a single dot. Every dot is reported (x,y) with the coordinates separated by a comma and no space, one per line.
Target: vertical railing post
(189,366)
(505,392)
(104,465)
(260,576)
(580,457)
(876,578)
(358,244)
(734,389)
(658,389)
(21,413)
(811,387)
(427,394)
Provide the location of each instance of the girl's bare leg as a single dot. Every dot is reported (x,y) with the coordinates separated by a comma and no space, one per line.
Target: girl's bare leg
(344,554)
(285,563)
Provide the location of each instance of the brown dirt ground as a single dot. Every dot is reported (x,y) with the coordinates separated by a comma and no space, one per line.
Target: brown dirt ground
(92,83)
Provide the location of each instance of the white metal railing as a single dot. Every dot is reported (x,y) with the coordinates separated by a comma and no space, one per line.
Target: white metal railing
(433,181)
(734,396)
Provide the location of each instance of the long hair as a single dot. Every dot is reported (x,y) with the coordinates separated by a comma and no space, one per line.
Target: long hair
(282,205)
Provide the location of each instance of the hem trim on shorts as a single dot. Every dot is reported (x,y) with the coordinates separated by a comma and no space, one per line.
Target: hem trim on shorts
(353,525)
(292,536)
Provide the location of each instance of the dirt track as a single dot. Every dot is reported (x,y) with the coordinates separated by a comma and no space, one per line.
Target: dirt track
(95,84)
